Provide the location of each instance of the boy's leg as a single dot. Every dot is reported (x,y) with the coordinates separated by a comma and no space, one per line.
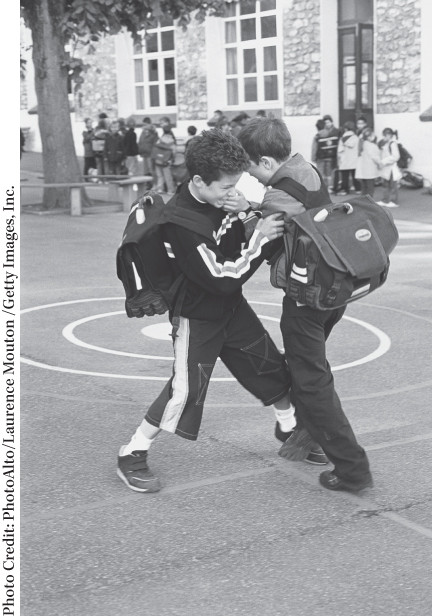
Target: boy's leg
(317,404)
(169,179)
(356,182)
(394,189)
(386,196)
(159,178)
(179,407)
(253,358)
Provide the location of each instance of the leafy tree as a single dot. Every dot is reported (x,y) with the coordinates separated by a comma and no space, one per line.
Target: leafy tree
(56,23)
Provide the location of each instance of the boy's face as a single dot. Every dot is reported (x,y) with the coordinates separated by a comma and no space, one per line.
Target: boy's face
(114,127)
(263,171)
(217,192)
(88,124)
(361,124)
(328,124)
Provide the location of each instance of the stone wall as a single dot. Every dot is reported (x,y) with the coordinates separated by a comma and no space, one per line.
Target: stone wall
(301,52)
(99,91)
(398,57)
(191,72)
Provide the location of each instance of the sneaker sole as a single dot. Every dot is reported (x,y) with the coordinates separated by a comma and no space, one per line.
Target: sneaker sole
(152,488)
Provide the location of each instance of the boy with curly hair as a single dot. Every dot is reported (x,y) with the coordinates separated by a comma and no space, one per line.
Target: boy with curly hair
(215,319)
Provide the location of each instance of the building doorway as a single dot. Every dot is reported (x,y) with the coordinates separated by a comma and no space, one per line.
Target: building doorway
(355,51)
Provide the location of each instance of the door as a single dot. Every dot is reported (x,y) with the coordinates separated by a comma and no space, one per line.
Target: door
(356,72)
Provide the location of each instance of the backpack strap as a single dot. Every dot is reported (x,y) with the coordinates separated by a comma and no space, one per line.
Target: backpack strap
(293,188)
(300,193)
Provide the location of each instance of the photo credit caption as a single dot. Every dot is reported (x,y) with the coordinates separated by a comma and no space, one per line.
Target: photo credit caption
(9,455)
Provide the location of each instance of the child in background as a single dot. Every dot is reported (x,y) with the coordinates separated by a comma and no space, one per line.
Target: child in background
(347,157)
(368,162)
(114,149)
(192,131)
(163,167)
(390,171)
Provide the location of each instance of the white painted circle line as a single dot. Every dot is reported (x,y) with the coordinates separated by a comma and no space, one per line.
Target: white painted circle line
(69,335)
(383,347)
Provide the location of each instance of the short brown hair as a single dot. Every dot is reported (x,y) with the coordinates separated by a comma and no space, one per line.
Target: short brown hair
(266,137)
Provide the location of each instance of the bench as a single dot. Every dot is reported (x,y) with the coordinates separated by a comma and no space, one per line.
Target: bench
(131,187)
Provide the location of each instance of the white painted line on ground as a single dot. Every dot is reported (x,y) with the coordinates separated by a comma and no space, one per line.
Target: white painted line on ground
(68,333)
(402,441)
(361,503)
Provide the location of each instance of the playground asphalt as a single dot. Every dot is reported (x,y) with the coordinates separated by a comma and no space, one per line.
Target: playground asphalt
(236,529)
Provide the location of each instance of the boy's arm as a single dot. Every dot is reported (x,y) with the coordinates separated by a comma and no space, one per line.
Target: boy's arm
(279,201)
(202,261)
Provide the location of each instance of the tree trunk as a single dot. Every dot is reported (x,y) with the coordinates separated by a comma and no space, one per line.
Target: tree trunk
(60,163)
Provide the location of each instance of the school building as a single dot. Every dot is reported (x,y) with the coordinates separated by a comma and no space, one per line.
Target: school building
(299,59)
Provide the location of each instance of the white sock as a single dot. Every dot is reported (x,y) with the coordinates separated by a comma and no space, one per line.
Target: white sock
(138,442)
(286,418)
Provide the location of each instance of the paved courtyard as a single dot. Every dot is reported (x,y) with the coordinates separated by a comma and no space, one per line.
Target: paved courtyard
(236,529)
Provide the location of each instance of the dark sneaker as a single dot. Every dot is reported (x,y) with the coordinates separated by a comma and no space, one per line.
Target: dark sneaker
(316,456)
(330,481)
(134,471)
(298,445)
(279,435)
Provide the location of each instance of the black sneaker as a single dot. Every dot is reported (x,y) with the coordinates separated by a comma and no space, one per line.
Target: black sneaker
(134,471)
(330,481)
(315,455)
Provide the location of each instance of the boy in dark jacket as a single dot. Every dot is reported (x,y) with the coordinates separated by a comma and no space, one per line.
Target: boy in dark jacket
(216,320)
(130,147)
(148,138)
(113,149)
(305,330)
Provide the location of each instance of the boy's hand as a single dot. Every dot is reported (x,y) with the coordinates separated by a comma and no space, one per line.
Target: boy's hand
(272,226)
(237,203)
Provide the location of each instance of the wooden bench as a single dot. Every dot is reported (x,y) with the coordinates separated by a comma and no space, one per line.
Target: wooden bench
(131,187)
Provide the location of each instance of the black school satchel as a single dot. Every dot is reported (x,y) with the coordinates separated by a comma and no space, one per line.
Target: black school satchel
(143,264)
(336,254)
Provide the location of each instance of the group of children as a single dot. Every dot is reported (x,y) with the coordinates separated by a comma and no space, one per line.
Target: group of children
(356,156)
(114,149)
(216,321)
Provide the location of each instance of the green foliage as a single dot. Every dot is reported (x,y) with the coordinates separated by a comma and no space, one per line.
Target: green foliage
(91,19)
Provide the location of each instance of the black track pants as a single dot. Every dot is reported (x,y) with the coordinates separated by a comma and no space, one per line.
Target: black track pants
(246,349)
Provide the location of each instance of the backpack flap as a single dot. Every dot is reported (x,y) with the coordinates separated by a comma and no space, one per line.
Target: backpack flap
(356,237)
(359,250)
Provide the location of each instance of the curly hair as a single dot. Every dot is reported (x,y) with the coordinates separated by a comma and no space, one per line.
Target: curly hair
(214,153)
(266,137)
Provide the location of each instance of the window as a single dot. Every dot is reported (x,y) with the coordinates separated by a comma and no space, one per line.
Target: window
(154,67)
(252,60)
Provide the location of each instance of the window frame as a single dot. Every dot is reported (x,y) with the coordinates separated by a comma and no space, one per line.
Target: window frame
(258,44)
(160,56)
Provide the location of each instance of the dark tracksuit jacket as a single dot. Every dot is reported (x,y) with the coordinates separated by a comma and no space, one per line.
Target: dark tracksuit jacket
(216,321)
(305,331)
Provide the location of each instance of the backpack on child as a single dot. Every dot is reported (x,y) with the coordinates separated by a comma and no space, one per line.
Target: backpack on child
(143,263)
(161,155)
(335,254)
(404,157)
